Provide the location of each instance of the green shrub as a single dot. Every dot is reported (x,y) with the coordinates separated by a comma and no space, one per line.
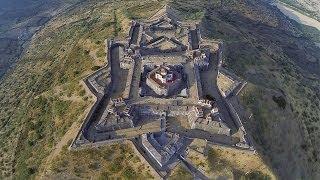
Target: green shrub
(129,173)
(215,162)
(255,175)
(181,174)
(104,175)
(94,166)
(82,92)
(280,101)
(60,107)
(95,68)
(79,170)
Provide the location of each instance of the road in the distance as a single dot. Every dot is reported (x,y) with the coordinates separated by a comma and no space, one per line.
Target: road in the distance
(297,16)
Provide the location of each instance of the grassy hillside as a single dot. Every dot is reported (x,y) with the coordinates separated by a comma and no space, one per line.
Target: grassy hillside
(236,164)
(43,97)
(281,63)
(19,21)
(101,163)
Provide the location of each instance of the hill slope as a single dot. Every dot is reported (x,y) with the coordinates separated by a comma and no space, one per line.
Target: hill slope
(281,65)
(19,21)
(42,97)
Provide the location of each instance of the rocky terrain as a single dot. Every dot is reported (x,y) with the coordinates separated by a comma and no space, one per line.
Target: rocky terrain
(42,100)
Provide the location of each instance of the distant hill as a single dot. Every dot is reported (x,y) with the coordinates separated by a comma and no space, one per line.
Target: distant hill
(310,7)
(19,20)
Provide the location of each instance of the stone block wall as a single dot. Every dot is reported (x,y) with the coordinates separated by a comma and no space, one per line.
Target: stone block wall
(126,92)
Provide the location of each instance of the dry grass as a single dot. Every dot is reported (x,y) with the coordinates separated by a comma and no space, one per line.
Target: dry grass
(200,161)
(180,173)
(225,83)
(242,161)
(114,161)
(216,161)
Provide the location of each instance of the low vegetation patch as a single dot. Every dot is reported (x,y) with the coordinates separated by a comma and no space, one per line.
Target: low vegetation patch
(42,96)
(238,164)
(180,173)
(143,10)
(102,162)
(280,101)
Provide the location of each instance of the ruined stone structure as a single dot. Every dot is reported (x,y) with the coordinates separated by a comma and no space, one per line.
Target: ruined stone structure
(117,115)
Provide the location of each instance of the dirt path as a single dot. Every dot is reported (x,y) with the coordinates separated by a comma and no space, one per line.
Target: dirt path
(69,135)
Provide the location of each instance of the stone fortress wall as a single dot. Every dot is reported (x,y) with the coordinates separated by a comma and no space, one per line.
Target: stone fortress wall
(126,111)
(214,125)
(100,87)
(126,92)
(195,116)
(245,139)
(198,81)
(161,153)
(80,139)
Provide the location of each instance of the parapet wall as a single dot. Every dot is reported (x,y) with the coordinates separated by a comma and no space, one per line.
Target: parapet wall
(127,90)
(246,150)
(246,144)
(92,79)
(198,81)
(80,139)
(98,144)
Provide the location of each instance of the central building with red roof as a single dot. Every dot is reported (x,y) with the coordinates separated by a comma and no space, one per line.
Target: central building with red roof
(163,80)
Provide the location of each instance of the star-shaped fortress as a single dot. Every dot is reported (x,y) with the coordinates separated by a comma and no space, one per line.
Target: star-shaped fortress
(160,89)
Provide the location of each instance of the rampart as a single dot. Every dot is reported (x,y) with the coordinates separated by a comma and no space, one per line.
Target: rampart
(127,90)
(246,142)
(198,81)
(81,139)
